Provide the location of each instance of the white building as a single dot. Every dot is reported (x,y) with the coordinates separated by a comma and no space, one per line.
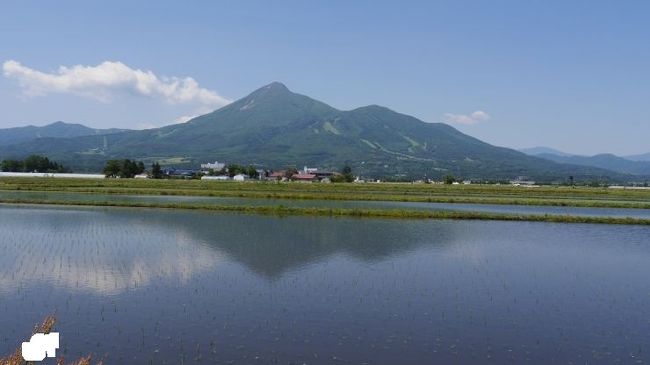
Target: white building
(218,178)
(522,181)
(213,166)
(52,174)
(239,177)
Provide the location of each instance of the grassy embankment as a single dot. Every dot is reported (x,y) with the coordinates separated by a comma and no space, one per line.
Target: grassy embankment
(477,194)
(342,212)
(551,196)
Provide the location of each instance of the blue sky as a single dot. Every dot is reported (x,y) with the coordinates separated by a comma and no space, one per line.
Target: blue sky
(573,75)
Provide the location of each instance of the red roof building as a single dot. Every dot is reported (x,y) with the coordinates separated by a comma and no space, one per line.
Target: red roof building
(277,175)
(304,177)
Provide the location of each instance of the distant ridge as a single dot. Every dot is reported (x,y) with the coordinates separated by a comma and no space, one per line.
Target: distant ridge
(643,157)
(273,128)
(12,136)
(536,151)
(604,161)
(633,165)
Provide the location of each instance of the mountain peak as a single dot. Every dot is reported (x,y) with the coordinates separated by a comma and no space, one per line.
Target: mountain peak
(61,124)
(372,108)
(272,90)
(276,85)
(271,105)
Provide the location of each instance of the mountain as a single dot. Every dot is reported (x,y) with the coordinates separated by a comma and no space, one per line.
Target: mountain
(604,161)
(10,136)
(634,165)
(643,157)
(274,127)
(536,151)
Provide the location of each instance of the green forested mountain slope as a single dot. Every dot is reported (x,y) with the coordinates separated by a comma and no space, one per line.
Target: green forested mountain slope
(274,127)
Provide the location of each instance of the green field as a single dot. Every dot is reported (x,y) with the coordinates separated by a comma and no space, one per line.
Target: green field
(90,190)
(477,194)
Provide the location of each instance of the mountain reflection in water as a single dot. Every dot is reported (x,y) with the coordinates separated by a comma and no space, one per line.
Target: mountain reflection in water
(80,249)
(167,287)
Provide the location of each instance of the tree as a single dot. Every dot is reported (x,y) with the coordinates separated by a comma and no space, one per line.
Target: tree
(11,166)
(449,179)
(112,168)
(347,174)
(251,172)
(123,168)
(127,169)
(290,171)
(131,168)
(234,169)
(33,163)
(156,171)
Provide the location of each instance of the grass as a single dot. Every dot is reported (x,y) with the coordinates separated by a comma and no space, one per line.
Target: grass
(474,194)
(341,212)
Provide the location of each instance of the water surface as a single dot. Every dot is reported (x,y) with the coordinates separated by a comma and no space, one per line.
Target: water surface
(167,287)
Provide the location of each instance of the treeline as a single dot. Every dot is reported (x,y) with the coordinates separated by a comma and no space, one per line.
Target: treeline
(125,169)
(33,163)
(345,176)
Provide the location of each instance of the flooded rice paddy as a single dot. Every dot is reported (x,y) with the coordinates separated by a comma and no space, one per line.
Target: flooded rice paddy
(148,286)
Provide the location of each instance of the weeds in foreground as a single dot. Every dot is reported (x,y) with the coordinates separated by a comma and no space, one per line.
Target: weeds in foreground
(16,358)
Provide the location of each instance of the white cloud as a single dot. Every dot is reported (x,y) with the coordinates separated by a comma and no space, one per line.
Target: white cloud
(473,118)
(106,80)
